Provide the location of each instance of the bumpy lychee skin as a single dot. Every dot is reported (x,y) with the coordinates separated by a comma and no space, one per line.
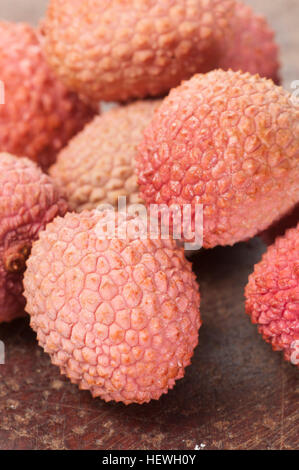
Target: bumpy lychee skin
(229,142)
(272,295)
(29,200)
(98,164)
(279,227)
(249,45)
(39,115)
(118,50)
(120,317)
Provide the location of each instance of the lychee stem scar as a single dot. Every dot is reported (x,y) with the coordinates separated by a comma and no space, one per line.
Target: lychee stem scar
(16,257)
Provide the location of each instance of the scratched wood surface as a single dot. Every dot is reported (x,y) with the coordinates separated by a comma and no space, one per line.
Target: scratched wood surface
(237,394)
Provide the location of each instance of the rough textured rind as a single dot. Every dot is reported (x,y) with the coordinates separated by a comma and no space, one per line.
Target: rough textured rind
(278,228)
(39,115)
(98,164)
(272,295)
(249,45)
(117,50)
(29,200)
(228,141)
(120,317)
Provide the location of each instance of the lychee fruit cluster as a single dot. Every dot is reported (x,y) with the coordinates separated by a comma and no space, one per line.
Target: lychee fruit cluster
(29,200)
(229,142)
(97,166)
(120,317)
(114,304)
(39,115)
(272,295)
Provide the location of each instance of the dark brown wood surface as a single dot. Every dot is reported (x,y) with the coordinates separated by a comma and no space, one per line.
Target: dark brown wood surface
(237,394)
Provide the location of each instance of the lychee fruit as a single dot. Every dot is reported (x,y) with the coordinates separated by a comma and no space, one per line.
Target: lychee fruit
(118,315)
(249,45)
(279,227)
(97,166)
(272,295)
(39,114)
(29,200)
(116,51)
(228,143)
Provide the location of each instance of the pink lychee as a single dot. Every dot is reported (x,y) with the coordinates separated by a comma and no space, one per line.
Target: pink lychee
(272,295)
(120,315)
(228,142)
(29,200)
(119,50)
(39,114)
(97,166)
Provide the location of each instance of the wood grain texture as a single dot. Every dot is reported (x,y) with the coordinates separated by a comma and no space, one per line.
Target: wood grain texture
(237,394)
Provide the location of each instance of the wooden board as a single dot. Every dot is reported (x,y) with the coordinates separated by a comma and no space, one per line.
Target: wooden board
(237,394)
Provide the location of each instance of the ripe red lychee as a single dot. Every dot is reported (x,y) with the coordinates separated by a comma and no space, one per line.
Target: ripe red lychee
(39,115)
(250,45)
(29,200)
(119,316)
(229,142)
(278,228)
(98,164)
(272,295)
(118,50)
